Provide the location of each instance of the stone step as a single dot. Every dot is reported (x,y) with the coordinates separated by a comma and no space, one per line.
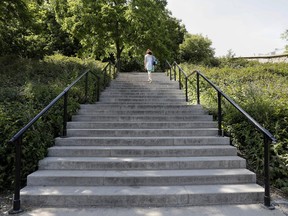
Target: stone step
(149,196)
(139,112)
(144,96)
(142,78)
(144,84)
(142,100)
(140,163)
(155,103)
(140,178)
(165,107)
(142,118)
(142,132)
(143,93)
(141,151)
(141,125)
(140,141)
(148,87)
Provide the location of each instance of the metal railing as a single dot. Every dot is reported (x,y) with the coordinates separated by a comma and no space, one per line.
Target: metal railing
(18,137)
(268,138)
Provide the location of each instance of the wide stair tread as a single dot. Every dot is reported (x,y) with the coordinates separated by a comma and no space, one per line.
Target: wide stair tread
(146,196)
(140,178)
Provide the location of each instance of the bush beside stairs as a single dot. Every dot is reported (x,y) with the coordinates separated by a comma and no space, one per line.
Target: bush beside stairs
(141,145)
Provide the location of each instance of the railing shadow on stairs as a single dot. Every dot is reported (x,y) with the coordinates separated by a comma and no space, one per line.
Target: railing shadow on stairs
(268,138)
(103,79)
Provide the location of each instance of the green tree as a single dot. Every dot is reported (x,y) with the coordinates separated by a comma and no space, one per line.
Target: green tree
(121,27)
(28,28)
(285,37)
(153,27)
(45,35)
(197,49)
(13,20)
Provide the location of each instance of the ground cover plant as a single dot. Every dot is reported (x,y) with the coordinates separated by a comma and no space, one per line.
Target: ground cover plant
(262,91)
(26,87)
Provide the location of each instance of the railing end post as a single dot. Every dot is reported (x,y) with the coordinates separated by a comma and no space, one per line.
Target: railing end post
(17,185)
(65,115)
(16,207)
(267,197)
(267,203)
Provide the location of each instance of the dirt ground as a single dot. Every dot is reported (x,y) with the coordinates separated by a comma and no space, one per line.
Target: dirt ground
(5,202)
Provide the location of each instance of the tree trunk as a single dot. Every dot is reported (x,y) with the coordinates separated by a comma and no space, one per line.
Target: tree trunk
(119,49)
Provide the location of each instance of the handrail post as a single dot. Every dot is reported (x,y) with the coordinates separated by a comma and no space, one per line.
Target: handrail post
(174,72)
(86,87)
(65,116)
(16,197)
(95,89)
(198,89)
(118,65)
(170,73)
(109,74)
(267,199)
(219,114)
(104,74)
(110,69)
(98,89)
(186,87)
(179,78)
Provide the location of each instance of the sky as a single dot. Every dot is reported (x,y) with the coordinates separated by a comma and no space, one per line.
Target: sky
(246,27)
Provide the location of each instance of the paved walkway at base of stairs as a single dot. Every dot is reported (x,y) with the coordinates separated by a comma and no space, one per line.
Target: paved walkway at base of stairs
(229,210)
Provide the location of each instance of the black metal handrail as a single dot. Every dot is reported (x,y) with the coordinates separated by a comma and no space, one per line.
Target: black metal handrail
(267,136)
(180,71)
(17,138)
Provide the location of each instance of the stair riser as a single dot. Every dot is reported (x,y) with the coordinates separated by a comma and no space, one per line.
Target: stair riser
(142,94)
(142,118)
(192,141)
(146,87)
(141,100)
(139,106)
(145,97)
(141,91)
(140,153)
(139,181)
(144,125)
(140,133)
(142,200)
(140,103)
(140,112)
(164,165)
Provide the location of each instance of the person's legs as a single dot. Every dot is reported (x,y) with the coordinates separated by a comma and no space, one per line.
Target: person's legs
(149,76)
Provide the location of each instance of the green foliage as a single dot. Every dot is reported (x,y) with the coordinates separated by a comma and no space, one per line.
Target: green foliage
(197,49)
(121,28)
(29,29)
(98,29)
(132,65)
(26,87)
(260,89)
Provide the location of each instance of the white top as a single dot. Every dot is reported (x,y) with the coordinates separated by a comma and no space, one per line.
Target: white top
(149,59)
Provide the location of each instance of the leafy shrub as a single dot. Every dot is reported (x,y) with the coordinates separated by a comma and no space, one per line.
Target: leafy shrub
(27,86)
(261,90)
(131,65)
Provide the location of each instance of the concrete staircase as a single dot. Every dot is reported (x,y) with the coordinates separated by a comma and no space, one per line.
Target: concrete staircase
(141,145)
